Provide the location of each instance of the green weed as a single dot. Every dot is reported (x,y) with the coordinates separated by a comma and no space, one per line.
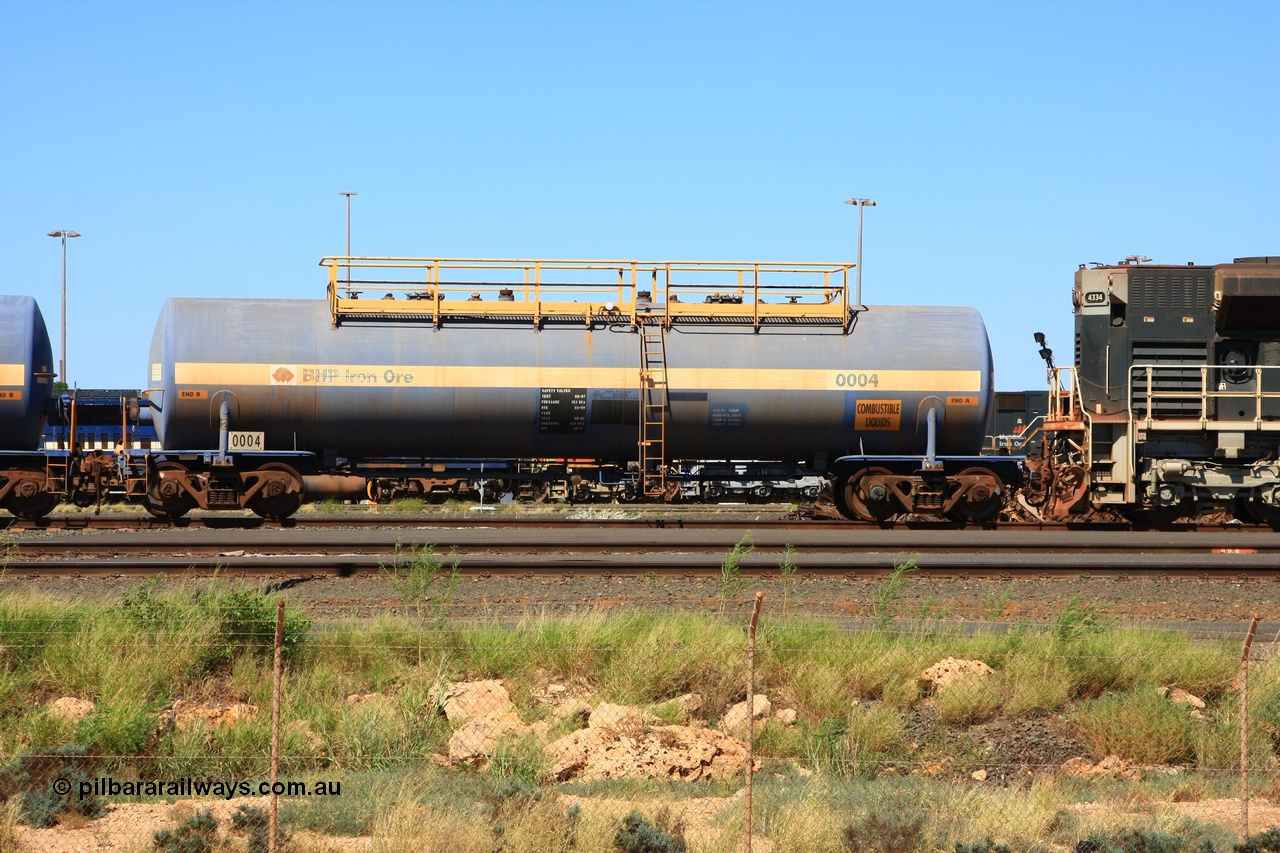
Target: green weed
(787,570)
(413,572)
(731,580)
(886,597)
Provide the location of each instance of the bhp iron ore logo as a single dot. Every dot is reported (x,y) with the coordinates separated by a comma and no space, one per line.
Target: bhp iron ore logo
(282,376)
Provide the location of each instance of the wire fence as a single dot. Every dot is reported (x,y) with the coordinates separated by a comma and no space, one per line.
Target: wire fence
(227,722)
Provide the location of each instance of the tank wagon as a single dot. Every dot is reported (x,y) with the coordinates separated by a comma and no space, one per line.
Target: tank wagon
(1172,406)
(26,386)
(410,363)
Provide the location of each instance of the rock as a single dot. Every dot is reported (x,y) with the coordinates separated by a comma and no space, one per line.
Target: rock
(735,719)
(608,715)
(946,672)
(979,774)
(70,709)
(357,698)
(572,707)
(1178,696)
(310,739)
(1112,765)
(477,700)
(786,716)
(479,736)
(660,752)
(186,714)
(689,704)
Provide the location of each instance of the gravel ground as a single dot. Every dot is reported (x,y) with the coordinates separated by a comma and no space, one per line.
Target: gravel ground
(1198,605)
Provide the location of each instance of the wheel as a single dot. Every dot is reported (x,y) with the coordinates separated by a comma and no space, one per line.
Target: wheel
(762,492)
(860,500)
(31,507)
(1160,514)
(713,491)
(982,500)
(283,500)
(167,499)
(1254,510)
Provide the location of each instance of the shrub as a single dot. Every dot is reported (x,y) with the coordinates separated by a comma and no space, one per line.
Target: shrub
(969,700)
(889,833)
(637,835)
(1140,841)
(1264,842)
(986,845)
(196,835)
(1079,620)
(30,779)
(1137,725)
(247,624)
(254,822)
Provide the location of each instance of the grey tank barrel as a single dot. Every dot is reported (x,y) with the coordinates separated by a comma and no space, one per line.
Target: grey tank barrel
(26,373)
(494,390)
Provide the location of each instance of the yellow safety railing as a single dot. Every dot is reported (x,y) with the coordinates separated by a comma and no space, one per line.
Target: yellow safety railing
(588,290)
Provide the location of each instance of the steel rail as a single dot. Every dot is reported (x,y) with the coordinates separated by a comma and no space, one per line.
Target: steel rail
(744,517)
(1226,567)
(1044,547)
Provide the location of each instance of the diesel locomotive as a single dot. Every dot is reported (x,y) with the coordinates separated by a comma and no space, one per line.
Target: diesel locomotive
(1172,406)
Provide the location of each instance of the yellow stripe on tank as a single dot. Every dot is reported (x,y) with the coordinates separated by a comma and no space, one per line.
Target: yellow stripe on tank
(870,381)
(13,374)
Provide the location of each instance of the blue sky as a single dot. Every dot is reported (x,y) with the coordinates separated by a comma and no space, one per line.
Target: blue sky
(200,147)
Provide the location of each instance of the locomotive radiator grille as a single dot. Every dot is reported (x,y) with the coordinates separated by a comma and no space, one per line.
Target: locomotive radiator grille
(1176,370)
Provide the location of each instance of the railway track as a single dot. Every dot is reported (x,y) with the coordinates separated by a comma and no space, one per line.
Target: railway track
(603,550)
(774,516)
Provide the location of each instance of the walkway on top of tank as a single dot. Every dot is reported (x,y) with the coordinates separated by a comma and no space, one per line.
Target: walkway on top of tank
(592,292)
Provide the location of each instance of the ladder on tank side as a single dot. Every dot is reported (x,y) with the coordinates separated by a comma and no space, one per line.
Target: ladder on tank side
(653,410)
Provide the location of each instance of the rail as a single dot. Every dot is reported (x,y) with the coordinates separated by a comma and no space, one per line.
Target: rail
(1256,409)
(588,291)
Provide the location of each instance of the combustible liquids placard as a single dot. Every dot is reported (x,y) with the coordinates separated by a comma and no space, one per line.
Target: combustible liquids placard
(878,414)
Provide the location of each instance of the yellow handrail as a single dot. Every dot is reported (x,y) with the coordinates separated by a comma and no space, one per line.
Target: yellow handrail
(539,289)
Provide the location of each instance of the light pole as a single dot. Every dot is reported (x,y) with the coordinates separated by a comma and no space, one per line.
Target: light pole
(62,360)
(348,195)
(861,203)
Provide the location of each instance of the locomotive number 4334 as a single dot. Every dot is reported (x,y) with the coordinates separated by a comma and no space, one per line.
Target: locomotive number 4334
(239,440)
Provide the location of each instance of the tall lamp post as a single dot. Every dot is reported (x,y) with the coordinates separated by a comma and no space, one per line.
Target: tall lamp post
(861,203)
(348,195)
(62,360)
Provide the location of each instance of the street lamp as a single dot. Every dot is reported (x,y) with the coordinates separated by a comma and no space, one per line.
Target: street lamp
(348,194)
(861,203)
(62,361)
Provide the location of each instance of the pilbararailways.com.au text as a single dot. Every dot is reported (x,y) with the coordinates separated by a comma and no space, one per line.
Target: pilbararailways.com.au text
(191,787)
